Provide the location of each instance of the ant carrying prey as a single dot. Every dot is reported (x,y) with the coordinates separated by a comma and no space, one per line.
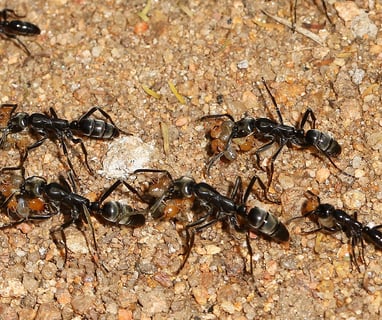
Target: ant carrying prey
(19,206)
(33,198)
(331,220)
(276,132)
(13,28)
(218,207)
(50,126)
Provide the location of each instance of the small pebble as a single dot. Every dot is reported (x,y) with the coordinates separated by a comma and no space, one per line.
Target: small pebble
(243,64)
(374,140)
(154,301)
(48,311)
(354,199)
(200,294)
(49,271)
(322,174)
(82,303)
(76,242)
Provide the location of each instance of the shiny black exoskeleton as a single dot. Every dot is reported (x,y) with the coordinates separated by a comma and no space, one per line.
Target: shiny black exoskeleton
(95,128)
(276,132)
(332,220)
(220,208)
(14,28)
(115,211)
(60,196)
(50,126)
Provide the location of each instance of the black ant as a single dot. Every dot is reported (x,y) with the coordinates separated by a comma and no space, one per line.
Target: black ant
(58,196)
(277,132)
(219,208)
(50,126)
(333,220)
(61,195)
(14,28)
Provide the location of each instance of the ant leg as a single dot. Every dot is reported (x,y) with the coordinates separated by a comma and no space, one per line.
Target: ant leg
(262,149)
(155,171)
(104,113)
(217,116)
(293,9)
(12,12)
(262,186)
(237,189)
(88,220)
(19,43)
(271,167)
(250,252)
(326,11)
(273,101)
(133,190)
(335,166)
(212,162)
(190,239)
(53,113)
(108,192)
(353,256)
(63,242)
(65,150)
(308,112)
(114,186)
(31,147)
(84,151)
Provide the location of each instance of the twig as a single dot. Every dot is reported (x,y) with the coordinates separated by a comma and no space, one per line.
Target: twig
(303,31)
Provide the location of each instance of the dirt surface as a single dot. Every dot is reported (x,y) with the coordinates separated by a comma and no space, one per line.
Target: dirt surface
(99,53)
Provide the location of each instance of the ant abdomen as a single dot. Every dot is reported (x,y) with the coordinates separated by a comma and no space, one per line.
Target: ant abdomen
(95,128)
(266,223)
(373,235)
(23,28)
(116,212)
(323,142)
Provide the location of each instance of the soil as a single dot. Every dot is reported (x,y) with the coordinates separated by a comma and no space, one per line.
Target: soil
(215,53)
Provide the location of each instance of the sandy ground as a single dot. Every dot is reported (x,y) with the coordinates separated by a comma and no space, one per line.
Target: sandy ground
(98,53)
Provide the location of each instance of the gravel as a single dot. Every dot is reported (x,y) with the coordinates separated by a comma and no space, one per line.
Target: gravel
(101,54)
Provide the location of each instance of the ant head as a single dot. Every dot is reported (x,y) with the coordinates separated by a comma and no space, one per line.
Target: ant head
(183,187)
(243,127)
(18,122)
(34,186)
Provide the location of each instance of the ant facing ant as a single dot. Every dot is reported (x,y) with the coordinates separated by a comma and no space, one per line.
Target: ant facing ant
(50,126)
(12,29)
(218,207)
(275,132)
(333,220)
